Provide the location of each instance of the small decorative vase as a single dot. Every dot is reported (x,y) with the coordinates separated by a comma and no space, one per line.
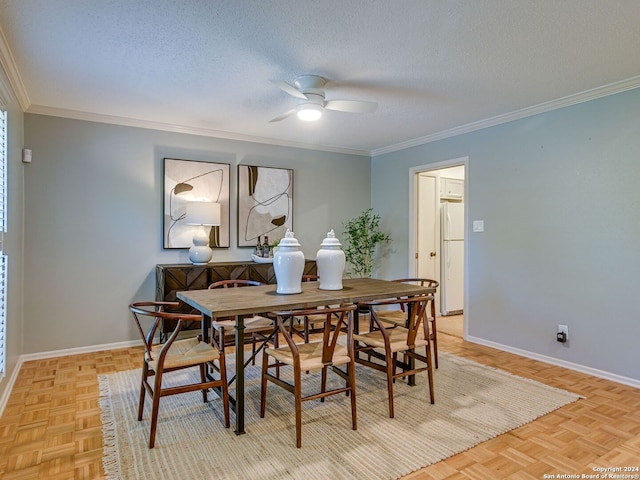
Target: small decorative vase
(288,264)
(330,261)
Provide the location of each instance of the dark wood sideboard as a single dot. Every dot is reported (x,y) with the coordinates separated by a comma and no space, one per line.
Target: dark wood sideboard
(174,278)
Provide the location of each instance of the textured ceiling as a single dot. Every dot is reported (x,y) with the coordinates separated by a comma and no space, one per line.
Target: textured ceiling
(206,66)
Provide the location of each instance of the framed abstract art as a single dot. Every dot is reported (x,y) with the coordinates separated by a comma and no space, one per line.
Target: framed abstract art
(265,203)
(190,180)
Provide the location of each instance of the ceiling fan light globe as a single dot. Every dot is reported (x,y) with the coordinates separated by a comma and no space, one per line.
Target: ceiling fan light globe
(309,112)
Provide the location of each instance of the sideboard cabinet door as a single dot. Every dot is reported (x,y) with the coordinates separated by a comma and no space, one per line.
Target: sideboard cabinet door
(174,278)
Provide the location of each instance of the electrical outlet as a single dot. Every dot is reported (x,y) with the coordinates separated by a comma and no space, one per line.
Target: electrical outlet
(563,333)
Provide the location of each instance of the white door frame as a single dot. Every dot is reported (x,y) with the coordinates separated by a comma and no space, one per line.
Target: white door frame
(413,172)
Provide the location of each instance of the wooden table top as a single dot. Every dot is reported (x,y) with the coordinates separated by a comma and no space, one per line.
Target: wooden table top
(263,298)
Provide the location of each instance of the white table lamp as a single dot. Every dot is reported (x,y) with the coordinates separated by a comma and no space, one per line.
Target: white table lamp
(202,214)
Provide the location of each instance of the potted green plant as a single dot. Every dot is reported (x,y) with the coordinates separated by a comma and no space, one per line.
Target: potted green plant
(361,236)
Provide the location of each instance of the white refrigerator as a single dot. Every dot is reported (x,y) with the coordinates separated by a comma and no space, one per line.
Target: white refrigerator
(452,268)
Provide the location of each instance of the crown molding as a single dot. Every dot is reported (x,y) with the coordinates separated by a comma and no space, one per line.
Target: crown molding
(15,80)
(567,101)
(205,132)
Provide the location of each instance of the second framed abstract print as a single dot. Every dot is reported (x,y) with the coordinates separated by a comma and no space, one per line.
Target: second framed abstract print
(265,203)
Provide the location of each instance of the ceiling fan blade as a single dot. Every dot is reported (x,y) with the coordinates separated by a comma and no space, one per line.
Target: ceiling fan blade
(290,89)
(282,116)
(353,106)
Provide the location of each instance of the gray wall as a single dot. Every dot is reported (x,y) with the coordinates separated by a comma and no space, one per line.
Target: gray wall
(93,204)
(560,197)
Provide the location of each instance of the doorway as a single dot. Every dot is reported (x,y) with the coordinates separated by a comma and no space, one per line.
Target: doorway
(437,239)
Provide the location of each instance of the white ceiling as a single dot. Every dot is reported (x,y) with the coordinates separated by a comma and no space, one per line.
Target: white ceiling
(202,66)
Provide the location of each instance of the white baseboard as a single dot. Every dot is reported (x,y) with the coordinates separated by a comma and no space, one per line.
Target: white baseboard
(76,351)
(56,353)
(632,382)
(7,391)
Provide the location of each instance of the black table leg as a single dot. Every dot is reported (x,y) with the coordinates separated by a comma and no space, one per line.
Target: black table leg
(356,330)
(206,321)
(239,374)
(411,380)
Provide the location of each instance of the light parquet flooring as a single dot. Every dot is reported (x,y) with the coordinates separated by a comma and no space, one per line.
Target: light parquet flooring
(51,427)
(451,325)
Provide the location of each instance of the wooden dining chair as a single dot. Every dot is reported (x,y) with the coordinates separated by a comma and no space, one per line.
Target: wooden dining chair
(395,339)
(399,316)
(174,355)
(312,356)
(256,329)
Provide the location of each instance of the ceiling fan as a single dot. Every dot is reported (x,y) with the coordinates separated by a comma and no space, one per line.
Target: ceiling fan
(308,89)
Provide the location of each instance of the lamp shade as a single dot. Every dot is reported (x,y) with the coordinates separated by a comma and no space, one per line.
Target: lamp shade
(203,213)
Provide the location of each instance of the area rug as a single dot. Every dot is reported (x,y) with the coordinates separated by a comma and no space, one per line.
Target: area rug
(473,403)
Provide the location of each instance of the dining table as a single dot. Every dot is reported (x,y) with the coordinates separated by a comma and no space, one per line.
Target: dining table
(246,302)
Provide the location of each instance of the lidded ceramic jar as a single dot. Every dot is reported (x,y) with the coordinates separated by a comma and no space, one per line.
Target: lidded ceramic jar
(288,264)
(330,261)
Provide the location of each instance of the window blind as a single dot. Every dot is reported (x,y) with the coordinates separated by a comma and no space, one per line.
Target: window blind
(3,174)
(3,312)
(3,228)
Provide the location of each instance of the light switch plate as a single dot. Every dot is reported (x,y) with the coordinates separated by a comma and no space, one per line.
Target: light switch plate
(478,226)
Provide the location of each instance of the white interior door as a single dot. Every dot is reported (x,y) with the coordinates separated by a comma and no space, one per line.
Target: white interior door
(427,227)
